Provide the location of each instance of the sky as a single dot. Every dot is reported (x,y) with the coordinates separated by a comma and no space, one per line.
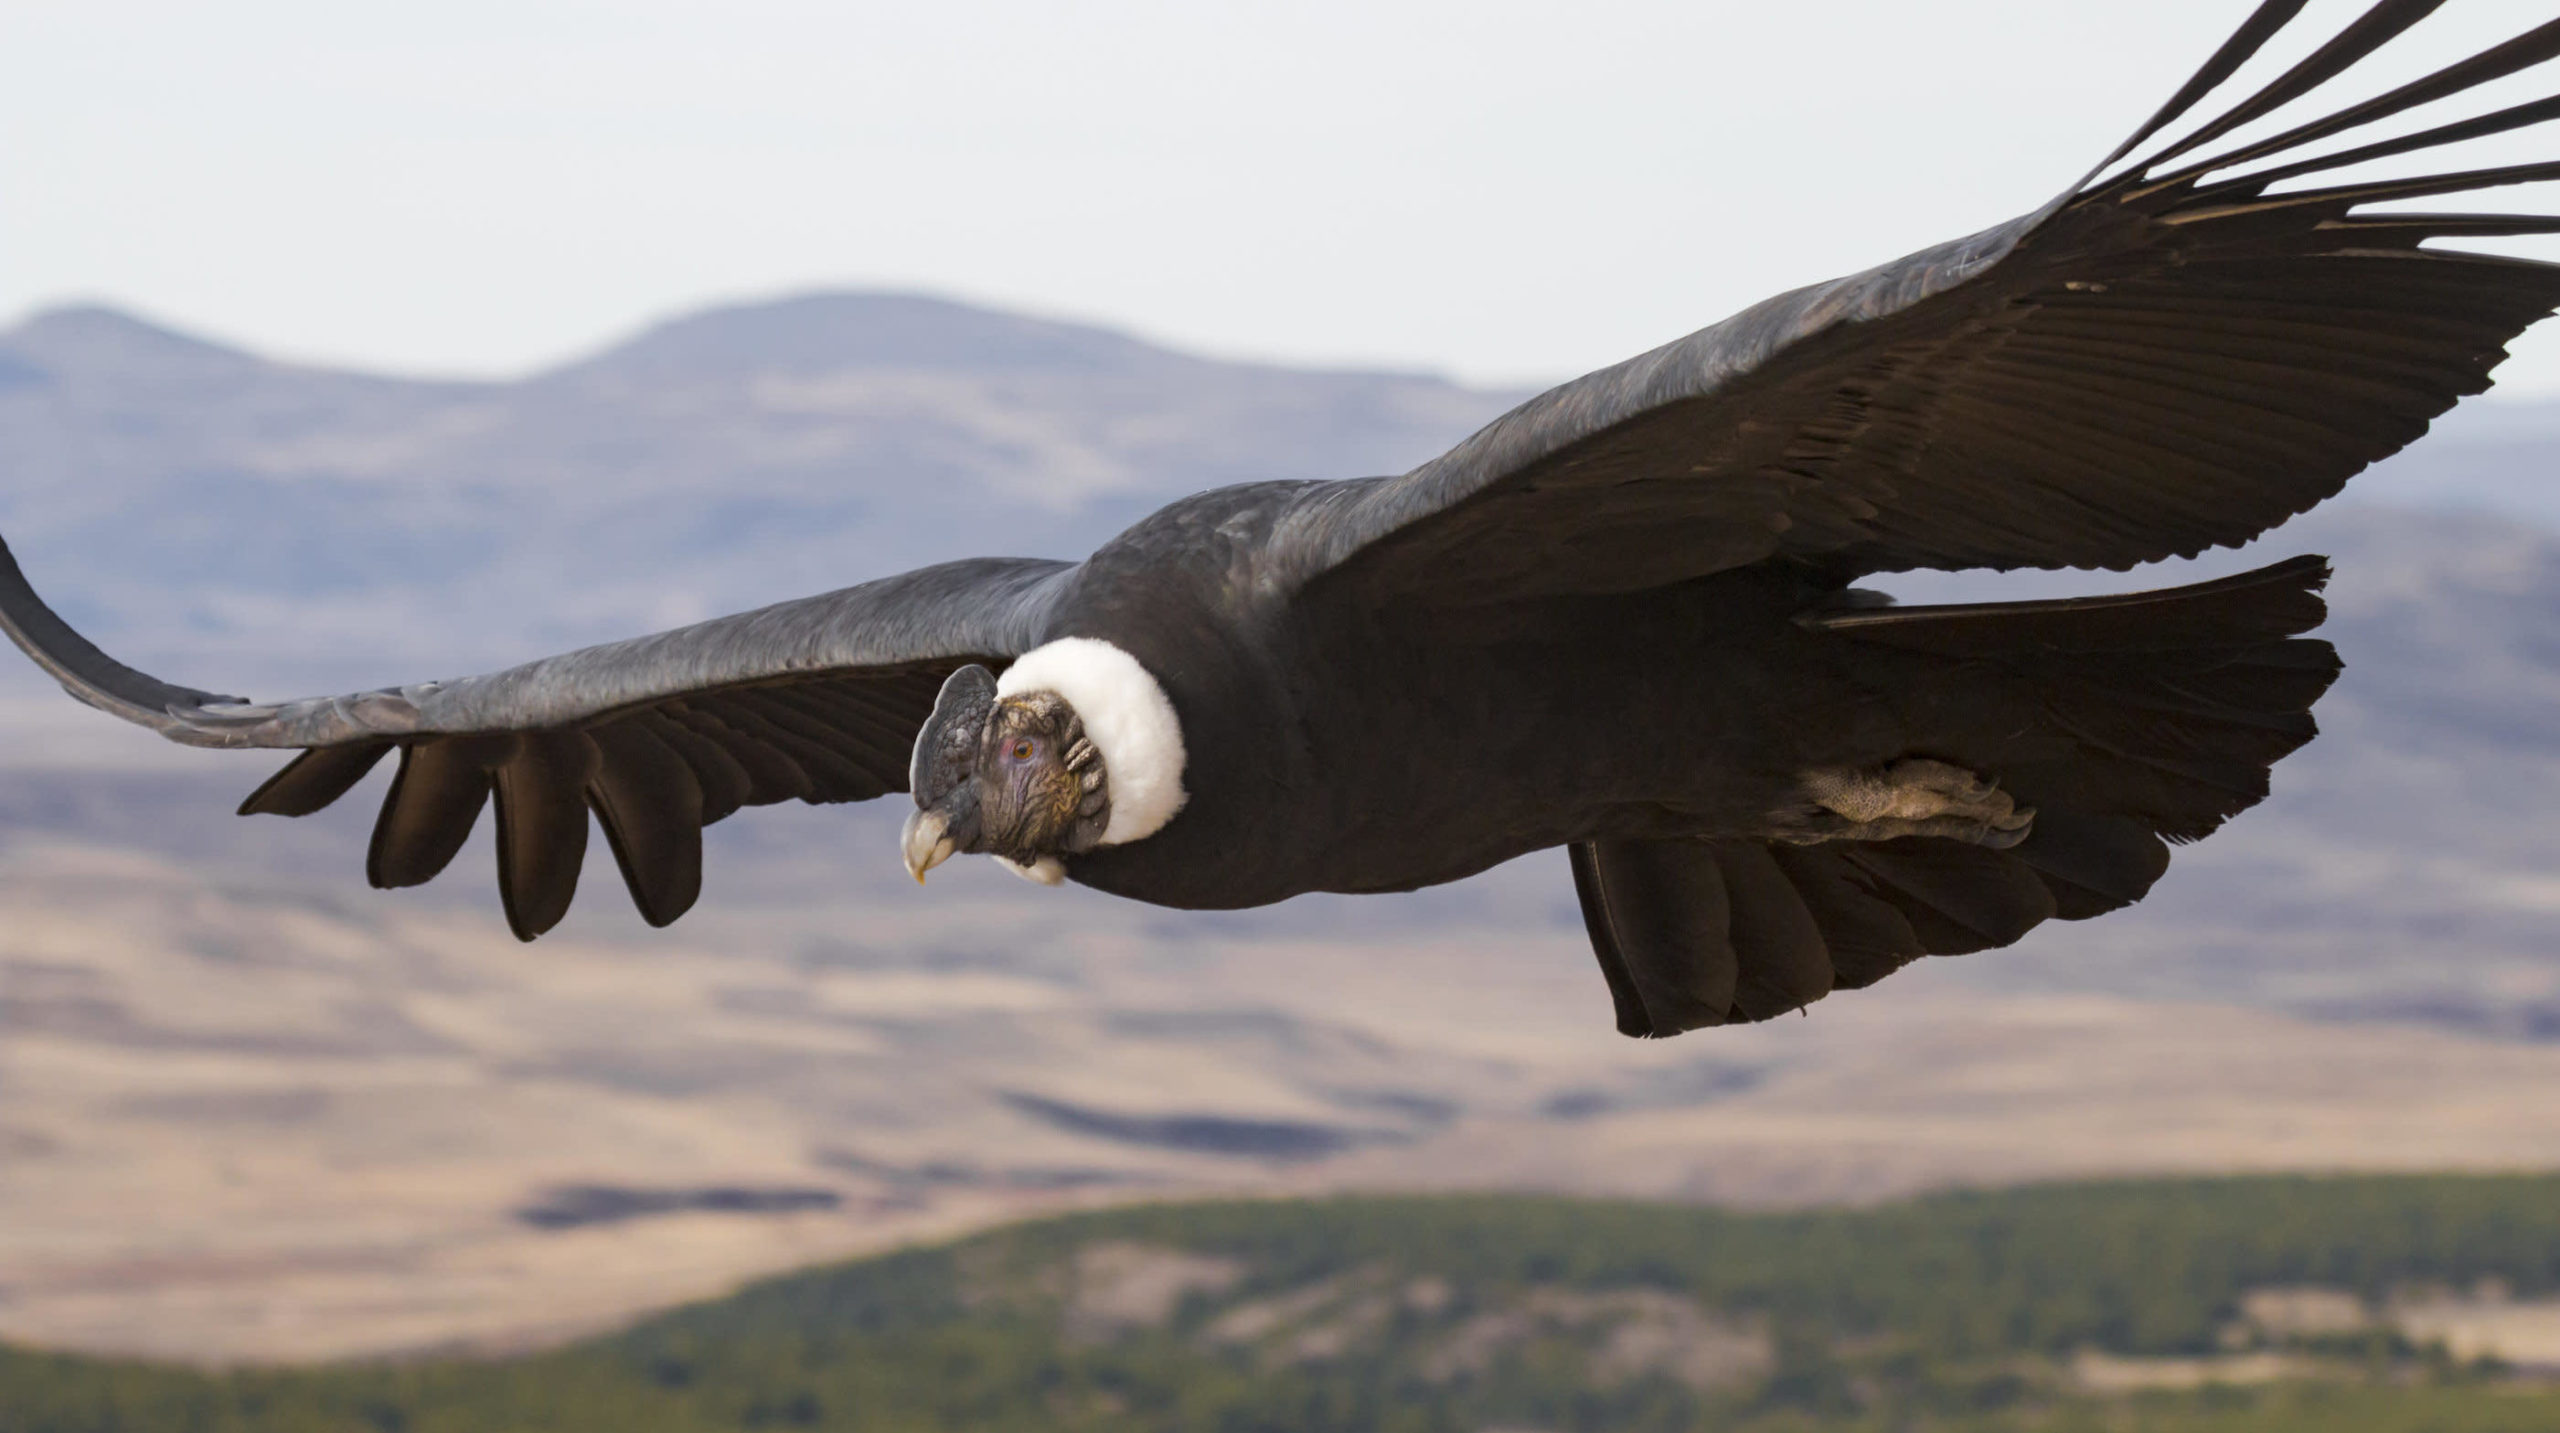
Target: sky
(1502,191)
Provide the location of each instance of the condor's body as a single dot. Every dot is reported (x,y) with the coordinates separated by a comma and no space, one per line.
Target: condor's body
(1678,711)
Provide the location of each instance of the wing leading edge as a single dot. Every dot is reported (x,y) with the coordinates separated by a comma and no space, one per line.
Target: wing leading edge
(814,700)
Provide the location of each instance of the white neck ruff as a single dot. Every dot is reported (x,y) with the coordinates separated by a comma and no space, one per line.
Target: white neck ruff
(1126,716)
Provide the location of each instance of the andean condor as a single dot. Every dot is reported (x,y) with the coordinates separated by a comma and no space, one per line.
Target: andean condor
(1620,619)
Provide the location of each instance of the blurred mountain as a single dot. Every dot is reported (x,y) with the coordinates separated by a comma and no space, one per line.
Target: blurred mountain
(251,522)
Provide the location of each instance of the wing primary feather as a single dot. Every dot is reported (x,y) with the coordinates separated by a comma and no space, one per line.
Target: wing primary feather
(646,796)
(2514,117)
(2534,47)
(313,780)
(2244,44)
(2376,28)
(435,797)
(542,827)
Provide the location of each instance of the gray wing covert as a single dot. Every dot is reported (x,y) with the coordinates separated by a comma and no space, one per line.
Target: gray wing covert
(817,700)
(2174,357)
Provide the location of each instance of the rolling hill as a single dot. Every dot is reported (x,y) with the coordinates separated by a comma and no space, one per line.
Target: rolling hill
(2346,1306)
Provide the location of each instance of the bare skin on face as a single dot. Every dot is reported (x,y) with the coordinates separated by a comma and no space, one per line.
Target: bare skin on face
(1042,790)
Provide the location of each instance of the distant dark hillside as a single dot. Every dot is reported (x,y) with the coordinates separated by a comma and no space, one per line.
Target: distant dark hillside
(2294,1304)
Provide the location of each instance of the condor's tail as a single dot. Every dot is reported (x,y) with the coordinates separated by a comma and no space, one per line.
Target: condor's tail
(2128,723)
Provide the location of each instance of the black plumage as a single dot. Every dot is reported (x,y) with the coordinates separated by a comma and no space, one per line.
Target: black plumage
(1620,618)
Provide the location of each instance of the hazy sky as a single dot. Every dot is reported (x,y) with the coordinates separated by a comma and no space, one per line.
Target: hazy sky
(1501,190)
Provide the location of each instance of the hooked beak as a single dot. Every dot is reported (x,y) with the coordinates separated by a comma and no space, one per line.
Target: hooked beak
(926,841)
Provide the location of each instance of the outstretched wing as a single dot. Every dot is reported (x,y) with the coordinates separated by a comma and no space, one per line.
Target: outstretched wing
(814,700)
(2175,357)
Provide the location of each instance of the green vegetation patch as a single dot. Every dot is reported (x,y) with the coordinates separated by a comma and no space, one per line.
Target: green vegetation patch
(2273,1303)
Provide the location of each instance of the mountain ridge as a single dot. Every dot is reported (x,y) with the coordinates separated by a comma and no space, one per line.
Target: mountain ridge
(192,501)
(820,328)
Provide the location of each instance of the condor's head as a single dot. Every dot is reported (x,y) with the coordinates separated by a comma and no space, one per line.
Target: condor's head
(1075,747)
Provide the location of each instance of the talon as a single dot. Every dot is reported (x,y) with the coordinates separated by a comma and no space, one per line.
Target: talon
(2001,838)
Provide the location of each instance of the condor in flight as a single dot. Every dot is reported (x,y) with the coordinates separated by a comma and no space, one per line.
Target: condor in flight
(1620,619)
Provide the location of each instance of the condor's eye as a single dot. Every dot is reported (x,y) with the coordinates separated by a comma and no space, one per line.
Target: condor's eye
(1024,749)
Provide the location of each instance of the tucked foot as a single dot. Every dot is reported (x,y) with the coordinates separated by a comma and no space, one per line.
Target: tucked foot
(1913,797)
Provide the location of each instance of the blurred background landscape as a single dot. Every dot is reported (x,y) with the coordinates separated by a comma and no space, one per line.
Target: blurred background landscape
(2275,1150)
(253,1112)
